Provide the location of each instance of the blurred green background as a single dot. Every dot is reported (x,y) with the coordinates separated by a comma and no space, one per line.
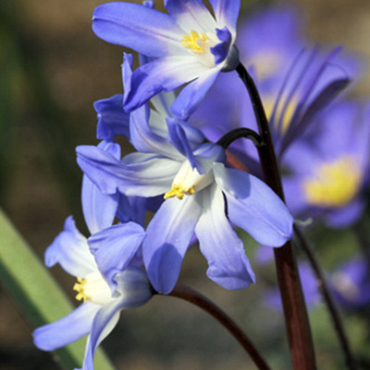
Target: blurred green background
(52,68)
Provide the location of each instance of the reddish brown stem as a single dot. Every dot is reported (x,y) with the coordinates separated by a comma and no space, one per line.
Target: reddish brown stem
(295,310)
(192,296)
(328,299)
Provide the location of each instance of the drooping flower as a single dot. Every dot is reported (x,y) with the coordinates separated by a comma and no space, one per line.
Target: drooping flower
(186,45)
(99,312)
(202,196)
(105,266)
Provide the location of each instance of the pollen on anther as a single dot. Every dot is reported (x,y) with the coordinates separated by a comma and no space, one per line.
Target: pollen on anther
(194,41)
(179,192)
(79,287)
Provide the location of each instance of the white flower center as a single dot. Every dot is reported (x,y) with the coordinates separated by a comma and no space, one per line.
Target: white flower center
(188,181)
(93,288)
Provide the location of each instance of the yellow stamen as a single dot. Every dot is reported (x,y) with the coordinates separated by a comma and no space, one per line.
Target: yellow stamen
(179,192)
(195,42)
(80,288)
(335,183)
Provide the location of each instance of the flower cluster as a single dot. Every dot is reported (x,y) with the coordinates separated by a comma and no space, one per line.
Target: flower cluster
(197,190)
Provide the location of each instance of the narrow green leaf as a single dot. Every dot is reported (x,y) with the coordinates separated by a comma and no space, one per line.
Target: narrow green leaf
(36,292)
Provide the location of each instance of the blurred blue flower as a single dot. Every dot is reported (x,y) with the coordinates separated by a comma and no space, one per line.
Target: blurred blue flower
(186,45)
(329,169)
(351,283)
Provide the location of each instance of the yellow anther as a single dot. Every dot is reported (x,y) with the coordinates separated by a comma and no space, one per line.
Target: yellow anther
(335,184)
(195,42)
(80,288)
(179,192)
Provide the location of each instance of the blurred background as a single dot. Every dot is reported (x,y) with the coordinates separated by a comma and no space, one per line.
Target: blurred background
(52,69)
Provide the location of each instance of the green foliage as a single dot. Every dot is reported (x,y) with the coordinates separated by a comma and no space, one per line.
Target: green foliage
(36,293)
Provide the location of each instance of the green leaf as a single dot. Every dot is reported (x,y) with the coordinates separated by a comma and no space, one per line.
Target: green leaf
(36,292)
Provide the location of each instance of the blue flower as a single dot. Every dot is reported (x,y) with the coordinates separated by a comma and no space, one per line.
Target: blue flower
(105,265)
(186,45)
(99,313)
(351,283)
(328,168)
(202,196)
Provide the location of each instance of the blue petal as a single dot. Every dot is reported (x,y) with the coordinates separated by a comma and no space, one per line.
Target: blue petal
(168,237)
(191,95)
(262,214)
(226,12)
(115,247)
(222,49)
(145,140)
(233,181)
(104,322)
(112,119)
(228,264)
(207,154)
(164,74)
(138,27)
(99,209)
(138,293)
(177,136)
(191,15)
(142,174)
(66,330)
(71,251)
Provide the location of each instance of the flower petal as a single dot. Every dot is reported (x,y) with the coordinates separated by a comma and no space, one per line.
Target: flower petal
(168,237)
(224,251)
(262,214)
(115,247)
(191,15)
(164,74)
(71,251)
(104,322)
(231,180)
(136,292)
(66,330)
(112,119)
(99,209)
(226,13)
(141,174)
(191,95)
(145,140)
(138,27)
(177,137)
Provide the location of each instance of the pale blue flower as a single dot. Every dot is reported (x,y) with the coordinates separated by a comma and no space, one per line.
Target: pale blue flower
(203,196)
(99,313)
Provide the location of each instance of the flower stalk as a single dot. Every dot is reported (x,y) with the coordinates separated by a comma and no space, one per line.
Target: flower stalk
(295,310)
(192,296)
